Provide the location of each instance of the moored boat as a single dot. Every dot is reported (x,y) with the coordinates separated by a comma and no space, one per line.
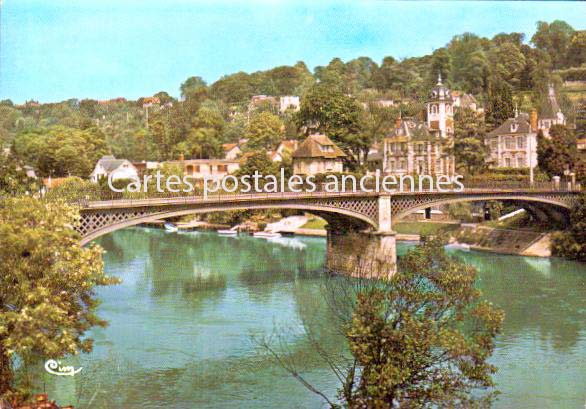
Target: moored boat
(170,227)
(266,234)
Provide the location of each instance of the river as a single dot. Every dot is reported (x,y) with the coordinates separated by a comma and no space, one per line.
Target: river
(183,324)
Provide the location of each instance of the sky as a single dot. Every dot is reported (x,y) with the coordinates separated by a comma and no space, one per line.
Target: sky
(53,50)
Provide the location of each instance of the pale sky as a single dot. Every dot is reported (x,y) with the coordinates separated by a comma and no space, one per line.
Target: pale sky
(56,49)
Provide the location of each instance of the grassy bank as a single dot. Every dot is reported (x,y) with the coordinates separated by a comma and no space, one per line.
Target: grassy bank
(424,228)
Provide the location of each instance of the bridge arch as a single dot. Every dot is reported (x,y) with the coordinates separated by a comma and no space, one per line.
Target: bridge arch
(334,216)
(554,203)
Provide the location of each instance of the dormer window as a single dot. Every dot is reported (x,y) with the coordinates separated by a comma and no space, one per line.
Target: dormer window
(326,148)
(514,127)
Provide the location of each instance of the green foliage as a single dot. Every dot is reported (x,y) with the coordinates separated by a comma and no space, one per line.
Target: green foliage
(500,104)
(559,153)
(60,151)
(425,339)
(257,161)
(469,148)
(14,180)
(73,189)
(555,39)
(461,211)
(572,242)
(327,110)
(264,131)
(47,283)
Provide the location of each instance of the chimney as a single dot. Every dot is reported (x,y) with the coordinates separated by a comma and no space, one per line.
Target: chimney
(533,120)
(398,122)
(181,157)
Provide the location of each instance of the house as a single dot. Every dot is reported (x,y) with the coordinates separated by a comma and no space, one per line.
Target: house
(231,151)
(50,183)
(423,147)
(150,101)
(374,158)
(146,166)
(317,154)
(259,100)
(463,100)
(200,168)
(550,113)
(288,102)
(285,148)
(514,143)
(116,168)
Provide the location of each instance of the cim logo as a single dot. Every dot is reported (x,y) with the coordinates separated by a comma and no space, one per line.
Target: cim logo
(54,368)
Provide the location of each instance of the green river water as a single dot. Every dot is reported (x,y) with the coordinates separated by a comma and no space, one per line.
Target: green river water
(182,323)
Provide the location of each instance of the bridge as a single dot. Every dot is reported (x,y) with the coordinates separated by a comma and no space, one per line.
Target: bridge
(362,212)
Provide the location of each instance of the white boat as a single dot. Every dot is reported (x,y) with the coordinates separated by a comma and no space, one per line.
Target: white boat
(170,227)
(227,232)
(266,234)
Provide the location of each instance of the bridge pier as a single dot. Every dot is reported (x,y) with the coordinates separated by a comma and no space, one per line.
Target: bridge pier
(361,253)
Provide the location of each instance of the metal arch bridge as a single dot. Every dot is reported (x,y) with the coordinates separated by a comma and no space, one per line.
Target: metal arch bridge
(343,211)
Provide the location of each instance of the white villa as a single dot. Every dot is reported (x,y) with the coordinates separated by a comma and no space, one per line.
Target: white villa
(514,143)
(117,168)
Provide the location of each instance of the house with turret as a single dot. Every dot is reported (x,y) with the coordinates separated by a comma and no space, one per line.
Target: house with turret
(423,147)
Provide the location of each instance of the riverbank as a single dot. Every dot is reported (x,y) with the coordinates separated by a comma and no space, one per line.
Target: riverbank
(481,237)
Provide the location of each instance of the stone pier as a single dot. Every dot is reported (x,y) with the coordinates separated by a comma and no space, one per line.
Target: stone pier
(364,254)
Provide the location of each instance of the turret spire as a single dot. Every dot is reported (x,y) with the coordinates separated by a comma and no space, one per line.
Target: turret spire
(439,78)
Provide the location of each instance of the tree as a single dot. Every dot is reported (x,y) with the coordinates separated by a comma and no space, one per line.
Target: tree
(420,339)
(469,148)
(264,131)
(555,39)
(559,153)
(60,151)
(572,243)
(201,143)
(500,104)
(47,283)
(577,49)
(327,110)
(257,161)
(193,87)
(14,180)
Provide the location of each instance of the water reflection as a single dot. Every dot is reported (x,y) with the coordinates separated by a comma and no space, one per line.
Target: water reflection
(181,322)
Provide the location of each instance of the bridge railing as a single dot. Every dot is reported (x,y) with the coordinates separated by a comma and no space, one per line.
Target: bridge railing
(138,199)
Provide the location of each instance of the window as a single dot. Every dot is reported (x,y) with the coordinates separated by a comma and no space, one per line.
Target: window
(521,161)
(392,165)
(326,148)
(509,142)
(222,168)
(438,166)
(494,145)
(402,164)
(520,142)
(508,162)
(514,127)
(434,109)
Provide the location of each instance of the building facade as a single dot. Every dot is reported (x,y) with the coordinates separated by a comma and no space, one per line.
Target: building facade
(423,147)
(514,143)
(318,154)
(117,169)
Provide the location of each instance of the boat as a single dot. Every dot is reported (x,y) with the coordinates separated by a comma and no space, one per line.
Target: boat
(170,227)
(266,234)
(227,232)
